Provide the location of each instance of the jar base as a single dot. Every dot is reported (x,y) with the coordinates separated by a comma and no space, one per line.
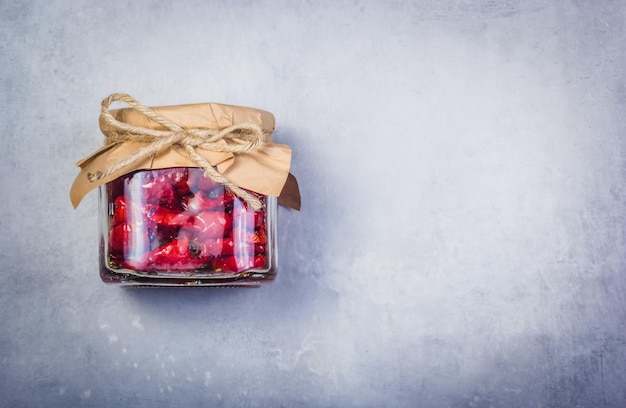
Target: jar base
(244,279)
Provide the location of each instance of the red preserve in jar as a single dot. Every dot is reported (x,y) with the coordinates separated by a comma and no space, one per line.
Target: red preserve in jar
(188,194)
(175,226)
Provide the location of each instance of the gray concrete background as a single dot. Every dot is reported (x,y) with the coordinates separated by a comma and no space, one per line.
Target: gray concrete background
(461,242)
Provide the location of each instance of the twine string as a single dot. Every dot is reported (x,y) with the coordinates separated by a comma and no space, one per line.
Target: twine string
(240,138)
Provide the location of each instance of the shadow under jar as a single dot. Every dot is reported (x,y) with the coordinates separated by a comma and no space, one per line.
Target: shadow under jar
(177,227)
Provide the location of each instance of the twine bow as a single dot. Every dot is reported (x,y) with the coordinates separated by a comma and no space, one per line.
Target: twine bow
(239,138)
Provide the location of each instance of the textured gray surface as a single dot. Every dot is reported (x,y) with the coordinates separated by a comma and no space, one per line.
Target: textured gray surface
(461,242)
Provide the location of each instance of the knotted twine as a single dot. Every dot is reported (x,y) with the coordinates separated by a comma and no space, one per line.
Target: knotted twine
(239,138)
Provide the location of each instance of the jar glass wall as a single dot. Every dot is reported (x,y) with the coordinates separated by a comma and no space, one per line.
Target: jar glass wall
(176,227)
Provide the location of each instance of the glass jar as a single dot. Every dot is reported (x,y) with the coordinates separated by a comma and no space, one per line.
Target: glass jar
(177,227)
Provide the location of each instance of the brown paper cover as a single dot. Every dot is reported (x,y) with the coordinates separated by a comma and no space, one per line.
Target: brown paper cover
(265,170)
